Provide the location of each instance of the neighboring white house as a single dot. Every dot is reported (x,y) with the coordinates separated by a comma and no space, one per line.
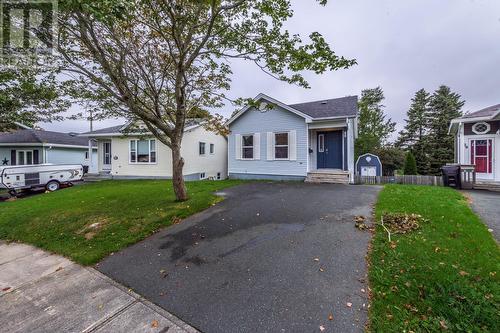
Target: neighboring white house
(477,142)
(30,146)
(129,151)
(293,142)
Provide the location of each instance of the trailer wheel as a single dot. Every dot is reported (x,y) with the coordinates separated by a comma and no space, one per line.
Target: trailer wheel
(13,193)
(52,186)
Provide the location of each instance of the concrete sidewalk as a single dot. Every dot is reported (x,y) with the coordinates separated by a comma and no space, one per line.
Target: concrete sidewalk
(41,292)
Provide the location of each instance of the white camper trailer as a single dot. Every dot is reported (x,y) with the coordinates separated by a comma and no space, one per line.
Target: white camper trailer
(50,176)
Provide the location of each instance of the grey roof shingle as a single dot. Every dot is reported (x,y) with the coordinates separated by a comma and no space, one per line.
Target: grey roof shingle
(337,107)
(118,128)
(487,112)
(107,130)
(37,136)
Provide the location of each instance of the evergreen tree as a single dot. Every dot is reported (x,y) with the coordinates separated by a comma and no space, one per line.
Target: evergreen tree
(410,167)
(373,129)
(443,107)
(413,136)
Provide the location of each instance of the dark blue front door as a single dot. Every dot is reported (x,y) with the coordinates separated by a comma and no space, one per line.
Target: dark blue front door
(330,150)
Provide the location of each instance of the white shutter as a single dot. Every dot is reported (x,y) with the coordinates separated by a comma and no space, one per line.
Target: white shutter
(270,146)
(256,146)
(292,145)
(237,146)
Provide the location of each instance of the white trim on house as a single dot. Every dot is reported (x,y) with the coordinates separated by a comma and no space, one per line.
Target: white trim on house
(273,101)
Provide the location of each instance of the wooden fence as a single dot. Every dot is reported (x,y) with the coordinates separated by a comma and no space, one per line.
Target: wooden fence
(408,180)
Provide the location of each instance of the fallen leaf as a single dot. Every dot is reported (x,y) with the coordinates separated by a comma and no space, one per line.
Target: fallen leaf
(349,304)
(330,317)
(321,269)
(316,259)
(321,328)
(154,324)
(58,269)
(442,323)
(5,289)
(463,273)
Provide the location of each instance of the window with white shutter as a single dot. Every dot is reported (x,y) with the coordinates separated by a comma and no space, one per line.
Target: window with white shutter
(256,146)
(281,146)
(237,146)
(293,145)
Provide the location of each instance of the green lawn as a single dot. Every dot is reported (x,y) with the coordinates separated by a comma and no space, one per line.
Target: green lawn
(86,223)
(442,277)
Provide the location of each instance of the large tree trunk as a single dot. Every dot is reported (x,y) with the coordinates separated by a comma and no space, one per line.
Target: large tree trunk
(177,176)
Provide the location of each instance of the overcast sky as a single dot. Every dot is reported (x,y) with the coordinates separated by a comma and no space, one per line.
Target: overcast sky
(400,45)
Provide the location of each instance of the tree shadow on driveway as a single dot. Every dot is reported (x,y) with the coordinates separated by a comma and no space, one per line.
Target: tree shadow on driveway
(271,257)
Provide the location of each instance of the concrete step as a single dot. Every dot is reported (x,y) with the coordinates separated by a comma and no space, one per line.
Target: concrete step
(489,187)
(328,177)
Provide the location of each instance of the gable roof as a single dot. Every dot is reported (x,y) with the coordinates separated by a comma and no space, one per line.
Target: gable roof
(486,114)
(344,107)
(121,129)
(32,136)
(335,107)
(490,111)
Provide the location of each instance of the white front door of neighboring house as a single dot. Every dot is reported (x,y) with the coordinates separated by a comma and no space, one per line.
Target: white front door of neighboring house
(106,156)
(482,157)
(369,171)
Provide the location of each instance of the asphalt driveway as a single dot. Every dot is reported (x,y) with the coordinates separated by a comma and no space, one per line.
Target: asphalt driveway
(272,257)
(487,205)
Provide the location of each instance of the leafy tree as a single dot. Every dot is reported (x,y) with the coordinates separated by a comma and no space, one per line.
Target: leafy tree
(443,107)
(29,96)
(373,129)
(156,61)
(410,167)
(414,135)
(392,159)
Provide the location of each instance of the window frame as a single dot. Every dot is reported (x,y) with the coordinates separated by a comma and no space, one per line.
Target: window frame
(203,175)
(488,128)
(204,145)
(136,151)
(282,146)
(86,157)
(321,143)
(25,156)
(212,149)
(243,147)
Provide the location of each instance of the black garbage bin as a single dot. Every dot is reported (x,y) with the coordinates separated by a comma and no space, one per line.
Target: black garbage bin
(451,176)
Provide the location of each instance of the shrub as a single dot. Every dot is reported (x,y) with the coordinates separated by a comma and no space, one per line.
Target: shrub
(410,167)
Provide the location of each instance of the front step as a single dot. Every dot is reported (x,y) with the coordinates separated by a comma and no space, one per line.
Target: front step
(328,177)
(494,186)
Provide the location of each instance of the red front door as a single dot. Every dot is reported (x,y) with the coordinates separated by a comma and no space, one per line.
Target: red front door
(481,155)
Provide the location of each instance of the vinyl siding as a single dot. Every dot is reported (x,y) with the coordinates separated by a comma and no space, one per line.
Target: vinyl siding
(276,120)
(194,163)
(70,156)
(55,155)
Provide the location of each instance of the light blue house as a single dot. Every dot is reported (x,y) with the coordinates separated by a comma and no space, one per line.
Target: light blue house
(308,141)
(30,146)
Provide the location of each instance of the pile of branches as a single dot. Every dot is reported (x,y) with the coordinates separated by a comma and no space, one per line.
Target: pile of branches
(400,223)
